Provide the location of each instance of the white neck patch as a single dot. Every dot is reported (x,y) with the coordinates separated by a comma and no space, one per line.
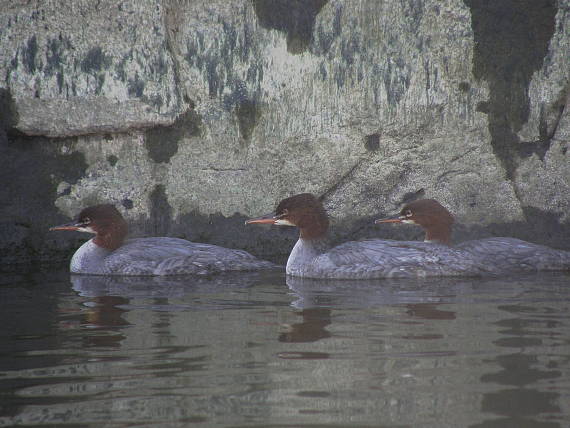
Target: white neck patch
(283,222)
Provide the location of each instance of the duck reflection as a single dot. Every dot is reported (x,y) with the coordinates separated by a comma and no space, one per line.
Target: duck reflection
(104,313)
(311,329)
(420,299)
(129,287)
(109,299)
(161,287)
(316,299)
(428,311)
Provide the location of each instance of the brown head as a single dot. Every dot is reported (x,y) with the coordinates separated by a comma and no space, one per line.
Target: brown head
(429,214)
(105,221)
(304,211)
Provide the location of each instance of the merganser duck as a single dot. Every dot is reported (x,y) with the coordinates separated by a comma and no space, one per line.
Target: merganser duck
(312,257)
(497,255)
(108,253)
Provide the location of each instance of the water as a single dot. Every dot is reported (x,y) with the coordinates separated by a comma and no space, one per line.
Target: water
(268,351)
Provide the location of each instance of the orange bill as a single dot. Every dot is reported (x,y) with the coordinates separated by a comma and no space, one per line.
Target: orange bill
(266,219)
(388,220)
(68,226)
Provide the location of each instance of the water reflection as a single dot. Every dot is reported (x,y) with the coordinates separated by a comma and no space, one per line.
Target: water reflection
(29,321)
(317,298)
(159,287)
(369,293)
(104,313)
(312,327)
(525,332)
(428,311)
(260,350)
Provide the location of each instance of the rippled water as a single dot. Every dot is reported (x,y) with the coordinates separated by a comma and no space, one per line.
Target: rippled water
(269,351)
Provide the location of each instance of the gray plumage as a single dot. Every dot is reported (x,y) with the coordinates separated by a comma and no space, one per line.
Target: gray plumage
(370,259)
(380,259)
(506,255)
(162,256)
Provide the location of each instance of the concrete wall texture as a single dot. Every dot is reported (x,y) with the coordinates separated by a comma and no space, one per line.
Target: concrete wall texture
(191,116)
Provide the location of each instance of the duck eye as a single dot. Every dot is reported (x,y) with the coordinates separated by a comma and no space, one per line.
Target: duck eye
(407,213)
(283,214)
(86,220)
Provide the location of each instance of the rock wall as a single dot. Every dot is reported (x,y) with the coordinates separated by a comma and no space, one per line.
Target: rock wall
(191,116)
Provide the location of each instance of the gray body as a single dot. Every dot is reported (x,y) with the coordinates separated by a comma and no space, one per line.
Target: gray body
(370,259)
(162,256)
(506,255)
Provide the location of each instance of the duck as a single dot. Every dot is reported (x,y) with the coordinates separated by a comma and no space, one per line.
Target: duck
(313,256)
(109,252)
(499,255)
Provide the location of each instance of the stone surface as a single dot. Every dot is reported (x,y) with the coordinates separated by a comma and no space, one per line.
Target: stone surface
(191,116)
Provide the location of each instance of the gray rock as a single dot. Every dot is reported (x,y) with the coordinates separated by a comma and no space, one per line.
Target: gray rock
(192,116)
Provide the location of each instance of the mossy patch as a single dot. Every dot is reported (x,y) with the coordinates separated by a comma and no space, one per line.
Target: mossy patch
(511,42)
(295,18)
(162,142)
(95,61)
(372,142)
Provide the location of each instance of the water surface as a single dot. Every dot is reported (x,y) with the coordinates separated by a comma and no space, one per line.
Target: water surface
(263,350)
